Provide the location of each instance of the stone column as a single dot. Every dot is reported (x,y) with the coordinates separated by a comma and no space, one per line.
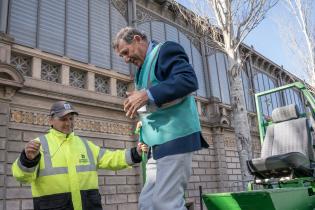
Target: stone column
(4,120)
(132,21)
(206,72)
(113,86)
(10,81)
(198,103)
(5,48)
(219,148)
(132,13)
(7,91)
(36,68)
(65,72)
(91,81)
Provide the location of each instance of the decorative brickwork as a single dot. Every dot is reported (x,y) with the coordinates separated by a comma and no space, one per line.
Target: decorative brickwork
(22,63)
(102,84)
(33,118)
(143,16)
(122,87)
(121,6)
(19,116)
(50,71)
(77,78)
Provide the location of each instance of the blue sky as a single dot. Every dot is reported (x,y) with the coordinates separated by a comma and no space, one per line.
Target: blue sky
(266,39)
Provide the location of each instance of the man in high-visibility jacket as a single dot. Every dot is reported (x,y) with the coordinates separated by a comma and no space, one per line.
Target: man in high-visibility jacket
(62,167)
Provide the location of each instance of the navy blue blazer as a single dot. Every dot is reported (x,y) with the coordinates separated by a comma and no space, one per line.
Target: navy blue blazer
(177,79)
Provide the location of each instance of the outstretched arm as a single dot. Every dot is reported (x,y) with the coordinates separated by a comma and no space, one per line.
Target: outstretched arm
(24,169)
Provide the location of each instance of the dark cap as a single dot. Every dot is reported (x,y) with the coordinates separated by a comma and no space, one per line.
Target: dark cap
(62,108)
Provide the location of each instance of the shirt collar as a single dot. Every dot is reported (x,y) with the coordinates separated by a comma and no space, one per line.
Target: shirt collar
(150,48)
(151,44)
(60,135)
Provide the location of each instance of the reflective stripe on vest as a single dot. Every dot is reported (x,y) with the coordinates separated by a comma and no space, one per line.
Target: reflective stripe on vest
(100,154)
(50,170)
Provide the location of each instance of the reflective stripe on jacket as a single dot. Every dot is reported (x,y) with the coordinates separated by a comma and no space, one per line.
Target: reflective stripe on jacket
(66,175)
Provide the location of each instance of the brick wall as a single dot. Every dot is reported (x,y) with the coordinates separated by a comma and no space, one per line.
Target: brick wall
(215,169)
(204,174)
(18,196)
(118,189)
(4,118)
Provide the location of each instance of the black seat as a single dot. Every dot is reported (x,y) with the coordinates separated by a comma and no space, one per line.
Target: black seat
(287,147)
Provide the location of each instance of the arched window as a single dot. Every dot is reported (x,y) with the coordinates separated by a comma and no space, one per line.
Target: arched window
(77,33)
(51,27)
(79,29)
(185,42)
(171,33)
(117,21)
(198,66)
(23,22)
(219,81)
(158,32)
(145,28)
(100,47)
(248,92)
(262,82)
(292,96)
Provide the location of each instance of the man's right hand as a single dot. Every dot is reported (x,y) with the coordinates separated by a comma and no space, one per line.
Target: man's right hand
(32,149)
(136,99)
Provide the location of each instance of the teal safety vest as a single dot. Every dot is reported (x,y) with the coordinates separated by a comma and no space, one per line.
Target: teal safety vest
(173,120)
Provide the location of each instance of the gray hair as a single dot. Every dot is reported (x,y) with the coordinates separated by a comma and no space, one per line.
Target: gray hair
(127,35)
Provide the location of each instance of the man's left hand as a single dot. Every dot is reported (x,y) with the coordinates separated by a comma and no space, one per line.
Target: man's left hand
(135,100)
(141,147)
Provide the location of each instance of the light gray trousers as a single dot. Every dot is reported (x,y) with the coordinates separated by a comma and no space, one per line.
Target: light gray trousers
(167,178)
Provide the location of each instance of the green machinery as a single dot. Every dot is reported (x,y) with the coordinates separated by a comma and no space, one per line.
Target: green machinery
(281,181)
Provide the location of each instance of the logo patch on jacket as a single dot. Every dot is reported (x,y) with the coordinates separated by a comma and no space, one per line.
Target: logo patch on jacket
(83,159)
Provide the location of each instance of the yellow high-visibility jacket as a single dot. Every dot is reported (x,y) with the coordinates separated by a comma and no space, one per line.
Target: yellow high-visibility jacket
(64,175)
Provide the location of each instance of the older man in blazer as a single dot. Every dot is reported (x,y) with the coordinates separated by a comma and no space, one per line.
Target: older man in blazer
(164,82)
